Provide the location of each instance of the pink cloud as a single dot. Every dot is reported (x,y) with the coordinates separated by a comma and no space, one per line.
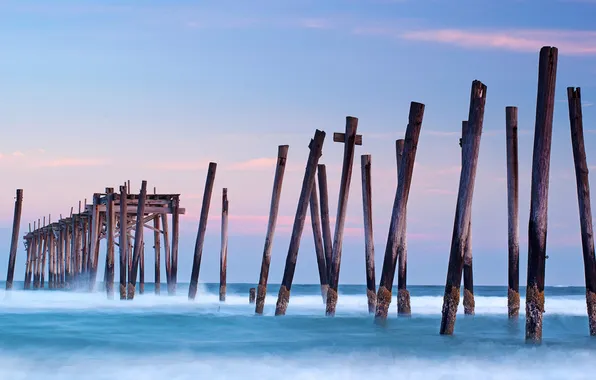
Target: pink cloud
(254,164)
(73,162)
(572,42)
(181,165)
(18,154)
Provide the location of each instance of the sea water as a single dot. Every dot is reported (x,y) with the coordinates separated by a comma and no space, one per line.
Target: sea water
(51,334)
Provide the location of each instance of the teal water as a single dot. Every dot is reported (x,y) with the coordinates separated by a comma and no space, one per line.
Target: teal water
(75,335)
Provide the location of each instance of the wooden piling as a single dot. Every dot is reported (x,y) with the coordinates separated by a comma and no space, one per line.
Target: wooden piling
(111,229)
(547,71)
(325,223)
(469,303)
(512,209)
(42,265)
(142,269)
(95,238)
(463,211)
(123,242)
(318,240)
(403,295)
(349,141)
(282,154)
(196,264)
(223,254)
(27,281)
(39,246)
(397,230)
(369,246)
(252,295)
(166,249)
(583,197)
(52,263)
(138,244)
(175,237)
(73,248)
(157,247)
(316,148)
(16,223)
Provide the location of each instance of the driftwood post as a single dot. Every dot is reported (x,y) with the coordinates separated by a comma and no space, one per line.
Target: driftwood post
(316,149)
(325,223)
(157,247)
(583,197)
(316,229)
(350,140)
(469,304)
(403,295)
(111,228)
(512,208)
(223,254)
(282,154)
(369,246)
(463,210)
(396,237)
(16,223)
(123,242)
(138,244)
(196,263)
(547,72)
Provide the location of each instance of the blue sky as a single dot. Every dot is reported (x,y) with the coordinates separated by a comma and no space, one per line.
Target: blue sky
(98,92)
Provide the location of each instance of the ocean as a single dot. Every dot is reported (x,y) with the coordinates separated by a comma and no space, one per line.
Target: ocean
(54,334)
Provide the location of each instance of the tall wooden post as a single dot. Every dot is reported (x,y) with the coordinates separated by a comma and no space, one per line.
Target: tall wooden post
(16,223)
(463,211)
(43,257)
(166,249)
(547,72)
(30,248)
(123,242)
(52,263)
(316,148)
(138,244)
(512,208)
(397,230)
(84,248)
(350,140)
(157,247)
(469,304)
(73,248)
(403,295)
(369,245)
(111,228)
(95,231)
(196,263)
(60,264)
(142,269)
(583,197)
(36,273)
(316,229)
(282,154)
(223,254)
(175,237)
(325,223)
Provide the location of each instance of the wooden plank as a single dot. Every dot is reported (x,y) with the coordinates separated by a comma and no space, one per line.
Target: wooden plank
(369,245)
(16,224)
(341,138)
(148,210)
(282,154)
(512,212)
(223,253)
(316,149)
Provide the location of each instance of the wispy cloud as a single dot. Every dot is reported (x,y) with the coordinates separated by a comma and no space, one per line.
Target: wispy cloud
(254,164)
(18,154)
(571,42)
(70,162)
(180,165)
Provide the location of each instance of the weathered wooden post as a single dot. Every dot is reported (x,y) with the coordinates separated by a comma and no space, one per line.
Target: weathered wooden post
(316,229)
(37,273)
(157,247)
(68,256)
(350,139)
(142,270)
(403,295)
(463,211)
(111,228)
(85,247)
(73,249)
(469,303)
(325,223)
(316,148)
(282,154)
(223,254)
(166,249)
(252,294)
(95,238)
(52,263)
(512,208)
(43,256)
(396,237)
(29,243)
(583,197)
(547,72)
(16,223)
(138,244)
(196,263)
(123,242)
(175,237)
(369,246)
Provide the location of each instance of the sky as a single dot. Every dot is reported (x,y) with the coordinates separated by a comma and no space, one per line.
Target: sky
(94,93)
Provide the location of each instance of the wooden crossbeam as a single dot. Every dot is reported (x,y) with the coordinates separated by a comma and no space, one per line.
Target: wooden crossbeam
(341,137)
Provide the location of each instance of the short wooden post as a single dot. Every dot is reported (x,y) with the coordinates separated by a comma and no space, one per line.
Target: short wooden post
(111,228)
(403,295)
(16,223)
(547,72)
(369,245)
(325,223)
(157,247)
(583,197)
(196,263)
(316,148)
(463,211)
(138,244)
(512,209)
(469,303)
(282,154)
(396,237)
(318,240)
(123,242)
(175,237)
(252,295)
(223,254)
(350,140)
